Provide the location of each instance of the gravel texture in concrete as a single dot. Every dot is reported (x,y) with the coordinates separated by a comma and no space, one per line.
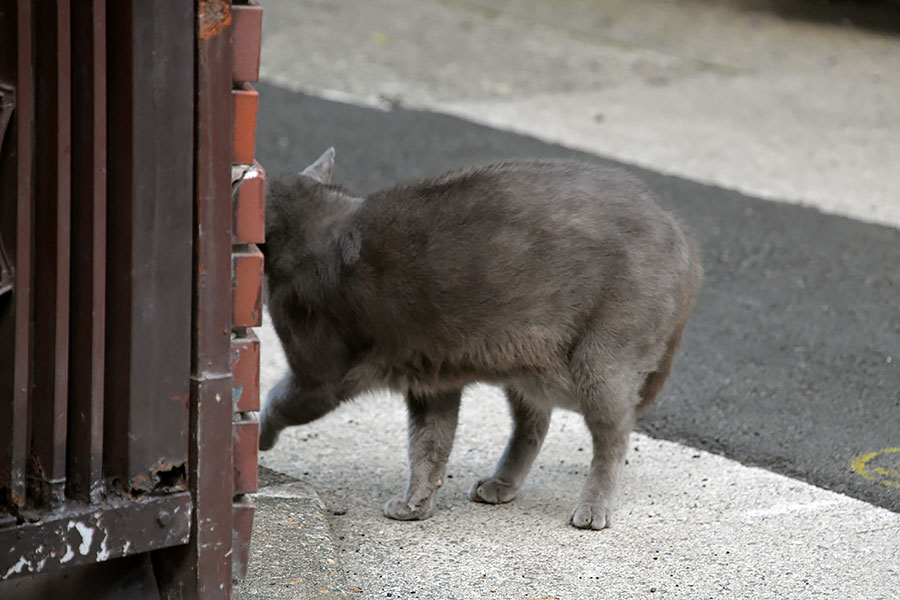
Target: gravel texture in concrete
(292,552)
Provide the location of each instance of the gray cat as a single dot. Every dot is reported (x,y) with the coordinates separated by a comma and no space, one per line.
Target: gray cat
(563,282)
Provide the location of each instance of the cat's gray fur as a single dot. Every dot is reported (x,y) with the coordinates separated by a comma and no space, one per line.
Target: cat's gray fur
(563,282)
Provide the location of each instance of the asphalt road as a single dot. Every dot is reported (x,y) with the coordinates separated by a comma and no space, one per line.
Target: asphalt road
(792,357)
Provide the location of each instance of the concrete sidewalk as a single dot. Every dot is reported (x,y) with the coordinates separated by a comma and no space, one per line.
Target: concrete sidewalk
(293,553)
(690,524)
(754,96)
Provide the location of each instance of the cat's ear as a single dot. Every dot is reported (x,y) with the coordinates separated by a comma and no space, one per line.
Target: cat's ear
(321,169)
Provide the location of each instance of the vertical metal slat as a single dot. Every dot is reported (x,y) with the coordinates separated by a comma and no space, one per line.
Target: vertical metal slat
(88,302)
(147,368)
(51,279)
(203,569)
(15,307)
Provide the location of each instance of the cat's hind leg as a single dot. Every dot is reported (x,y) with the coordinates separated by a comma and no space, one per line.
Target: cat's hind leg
(608,394)
(432,426)
(530,424)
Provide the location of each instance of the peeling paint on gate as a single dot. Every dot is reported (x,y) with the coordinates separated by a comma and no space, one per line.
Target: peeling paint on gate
(212,17)
(95,534)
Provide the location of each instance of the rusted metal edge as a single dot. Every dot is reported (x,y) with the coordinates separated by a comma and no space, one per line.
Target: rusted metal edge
(83,534)
(212,17)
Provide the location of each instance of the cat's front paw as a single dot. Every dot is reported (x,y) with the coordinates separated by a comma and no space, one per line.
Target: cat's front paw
(591,515)
(401,510)
(268,433)
(492,491)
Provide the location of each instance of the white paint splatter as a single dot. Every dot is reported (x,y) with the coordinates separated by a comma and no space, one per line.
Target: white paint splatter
(87,536)
(103,554)
(17,568)
(69,555)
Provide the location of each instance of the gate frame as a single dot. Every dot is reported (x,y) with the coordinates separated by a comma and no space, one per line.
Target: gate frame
(174,520)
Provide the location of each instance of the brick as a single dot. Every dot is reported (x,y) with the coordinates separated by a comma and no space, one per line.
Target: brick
(241,532)
(245,373)
(246,105)
(245,438)
(249,206)
(246,283)
(246,19)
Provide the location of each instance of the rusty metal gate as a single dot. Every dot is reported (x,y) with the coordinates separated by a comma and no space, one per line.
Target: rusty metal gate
(115,298)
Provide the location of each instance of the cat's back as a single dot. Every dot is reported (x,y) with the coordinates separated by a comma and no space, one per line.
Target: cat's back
(518,253)
(557,205)
(541,184)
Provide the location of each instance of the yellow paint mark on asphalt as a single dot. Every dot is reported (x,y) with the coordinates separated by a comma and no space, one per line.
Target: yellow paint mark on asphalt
(859,464)
(886,472)
(861,468)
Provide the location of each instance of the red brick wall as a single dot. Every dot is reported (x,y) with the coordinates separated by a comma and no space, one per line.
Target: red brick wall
(248,181)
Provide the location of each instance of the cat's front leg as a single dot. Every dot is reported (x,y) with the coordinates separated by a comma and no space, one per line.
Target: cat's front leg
(289,404)
(271,419)
(432,425)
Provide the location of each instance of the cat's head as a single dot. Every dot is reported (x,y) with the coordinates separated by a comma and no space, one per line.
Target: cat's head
(310,237)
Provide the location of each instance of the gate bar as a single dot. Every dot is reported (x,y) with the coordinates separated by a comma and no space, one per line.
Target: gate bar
(85,477)
(51,266)
(203,569)
(14,414)
(148,332)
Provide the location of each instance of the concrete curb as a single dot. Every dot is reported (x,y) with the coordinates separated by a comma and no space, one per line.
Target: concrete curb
(292,553)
